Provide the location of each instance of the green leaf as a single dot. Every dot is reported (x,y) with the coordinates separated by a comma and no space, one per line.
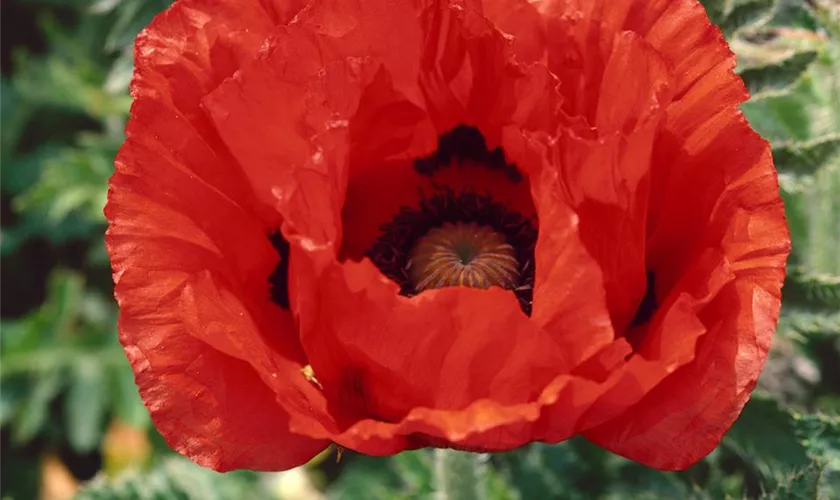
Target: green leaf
(811,291)
(411,475)
(20,472)
(820,434)
(779,76)
(66,291)
(14,114)
(130,18)
(498,488)
(67,343)
(13,394)
(765,437)
(408,475)
(125,396)
(119,77)
(532,471)
(795,13)
(804,485)
(58,82)
(416,471)
(85,405)
(176,478)
(783,117)
(806,158)
(800,453)
(74,4)
(745,14)
(21,171)
(49,328)
(74,182)
(794,193)
(640,482)
(714,9)
(809,323)
(35,410)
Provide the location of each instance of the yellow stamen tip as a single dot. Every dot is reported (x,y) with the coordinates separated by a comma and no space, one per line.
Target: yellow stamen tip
(309,374)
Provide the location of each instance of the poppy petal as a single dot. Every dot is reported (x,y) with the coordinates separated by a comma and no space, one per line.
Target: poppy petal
(743,218)
(191,255)
(569,295)
(432,351)
(185,53)
(384,107)
(576,37)
(748,225)
(211,407)
(664,344)
(695,49)
(522,20)
(403,372)
(703,141)
(606,178)
(186,368)
(683,418)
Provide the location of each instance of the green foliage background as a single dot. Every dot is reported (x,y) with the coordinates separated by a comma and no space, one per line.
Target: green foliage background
(70,414)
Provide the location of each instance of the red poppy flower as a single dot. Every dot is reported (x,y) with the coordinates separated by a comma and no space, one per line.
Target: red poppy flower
(397,224)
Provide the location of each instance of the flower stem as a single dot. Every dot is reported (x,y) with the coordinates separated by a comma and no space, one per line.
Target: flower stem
(459,475)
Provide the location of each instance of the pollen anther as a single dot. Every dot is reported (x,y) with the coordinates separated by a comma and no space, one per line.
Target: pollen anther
(309,374)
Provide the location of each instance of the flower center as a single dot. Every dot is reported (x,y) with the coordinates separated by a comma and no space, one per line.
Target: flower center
(462,239)
(458,233)
(463,254)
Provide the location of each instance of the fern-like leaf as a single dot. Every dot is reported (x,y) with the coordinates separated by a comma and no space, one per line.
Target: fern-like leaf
(811,291)
(746,14)
(763,80)
(806,158)
(803,485)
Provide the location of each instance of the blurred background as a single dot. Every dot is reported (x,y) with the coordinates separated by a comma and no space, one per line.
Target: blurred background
(73,425)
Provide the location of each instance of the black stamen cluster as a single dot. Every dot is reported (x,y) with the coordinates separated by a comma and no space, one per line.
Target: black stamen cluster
(465,143)
(391,251)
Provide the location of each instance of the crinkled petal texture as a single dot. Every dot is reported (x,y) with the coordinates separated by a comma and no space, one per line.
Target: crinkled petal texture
(658,263)
(700,212)
(217,364)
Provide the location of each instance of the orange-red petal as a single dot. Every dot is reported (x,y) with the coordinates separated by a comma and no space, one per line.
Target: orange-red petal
(191,256)
(707,193)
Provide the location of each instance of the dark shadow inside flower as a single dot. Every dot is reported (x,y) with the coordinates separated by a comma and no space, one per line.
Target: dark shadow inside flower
(647,308)
(649,305)
(279,279)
